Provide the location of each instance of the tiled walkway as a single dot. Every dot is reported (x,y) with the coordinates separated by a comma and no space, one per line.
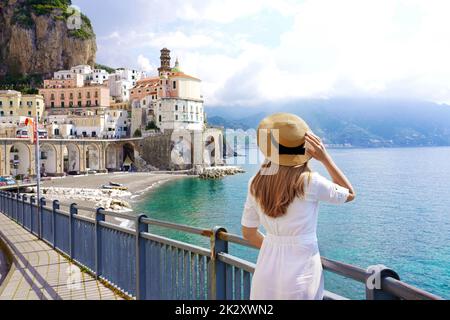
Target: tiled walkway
(41,273)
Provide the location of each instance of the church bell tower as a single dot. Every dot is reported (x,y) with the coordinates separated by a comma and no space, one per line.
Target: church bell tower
(165,62)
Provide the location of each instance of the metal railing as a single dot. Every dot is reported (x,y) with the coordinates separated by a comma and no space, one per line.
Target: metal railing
(150,266)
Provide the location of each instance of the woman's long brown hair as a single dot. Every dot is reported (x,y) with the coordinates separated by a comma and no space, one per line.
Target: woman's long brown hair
(275,192)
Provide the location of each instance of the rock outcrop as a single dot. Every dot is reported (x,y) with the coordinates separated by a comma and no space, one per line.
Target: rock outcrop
(35,38)
(214,173)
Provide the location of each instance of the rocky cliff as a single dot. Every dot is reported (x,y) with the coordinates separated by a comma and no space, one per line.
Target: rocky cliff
(35,38)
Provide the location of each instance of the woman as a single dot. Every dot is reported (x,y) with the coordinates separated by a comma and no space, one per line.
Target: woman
(284,197)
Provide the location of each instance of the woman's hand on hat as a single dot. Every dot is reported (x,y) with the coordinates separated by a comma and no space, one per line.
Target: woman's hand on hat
(315,148)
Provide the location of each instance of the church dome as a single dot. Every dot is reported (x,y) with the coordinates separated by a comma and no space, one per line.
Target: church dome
(177,68)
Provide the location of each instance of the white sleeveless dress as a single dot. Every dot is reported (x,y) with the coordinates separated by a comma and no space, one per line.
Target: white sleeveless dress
(289,265)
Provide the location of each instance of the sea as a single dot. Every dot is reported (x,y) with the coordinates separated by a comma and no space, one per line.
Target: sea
(400,219)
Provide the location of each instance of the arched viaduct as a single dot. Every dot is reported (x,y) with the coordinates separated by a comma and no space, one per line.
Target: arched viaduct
(80,156)
(60,156)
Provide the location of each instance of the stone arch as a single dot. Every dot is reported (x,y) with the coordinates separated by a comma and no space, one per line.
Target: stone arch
(112,157)
(220,146)
(72,158)
(49,159)
(210,151)
(20,159)
(92,157)
(181,149)
(128,154)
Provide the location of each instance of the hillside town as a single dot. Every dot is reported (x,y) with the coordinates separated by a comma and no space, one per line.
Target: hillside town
(91,103)
(92,120)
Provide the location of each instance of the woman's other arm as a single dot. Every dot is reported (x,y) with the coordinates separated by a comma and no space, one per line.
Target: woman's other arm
(318,151)
(253,236)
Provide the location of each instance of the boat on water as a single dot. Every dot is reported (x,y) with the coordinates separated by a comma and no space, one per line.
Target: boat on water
(115,186)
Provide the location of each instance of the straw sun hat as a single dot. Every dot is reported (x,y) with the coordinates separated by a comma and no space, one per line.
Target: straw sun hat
(281,138)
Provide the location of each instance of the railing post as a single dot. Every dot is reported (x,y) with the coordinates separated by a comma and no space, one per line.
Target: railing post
(32,202)
(24,200)
(140,258)
(374,289)
(13,202)
(73,211)
(99,216)
(42,204)
(8,205)
(19,197)
(218,270)
(55,207)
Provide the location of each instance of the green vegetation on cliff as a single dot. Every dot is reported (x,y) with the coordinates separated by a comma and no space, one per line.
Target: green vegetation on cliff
(59,10)
(106,68)
(85,32)
(22,14)
(25,83)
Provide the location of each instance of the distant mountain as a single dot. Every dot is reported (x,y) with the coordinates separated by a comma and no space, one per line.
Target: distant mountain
(354,122)
(243,123)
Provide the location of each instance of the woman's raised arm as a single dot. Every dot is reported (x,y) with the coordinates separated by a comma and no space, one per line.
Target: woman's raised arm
(318,151)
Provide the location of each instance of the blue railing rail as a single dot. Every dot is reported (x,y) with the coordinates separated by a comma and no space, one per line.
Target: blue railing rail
(149,266)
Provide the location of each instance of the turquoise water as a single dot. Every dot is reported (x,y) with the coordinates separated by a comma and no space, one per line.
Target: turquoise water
(401,217)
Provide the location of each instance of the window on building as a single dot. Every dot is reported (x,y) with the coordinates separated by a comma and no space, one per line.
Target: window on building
(11,113)
(71,96)
(79,103)
(10,103)
(2,113)
(71,104)
(176,117)
(160,118)
(88,103)
(52,104)
(1,103)
(62,96)
(79,95)
(62,104)
(29,113)
(37,103)
(174,85)
(88,95)
(52,96)
(176,107)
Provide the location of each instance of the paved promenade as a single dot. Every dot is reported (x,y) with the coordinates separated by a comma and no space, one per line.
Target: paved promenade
(41,273)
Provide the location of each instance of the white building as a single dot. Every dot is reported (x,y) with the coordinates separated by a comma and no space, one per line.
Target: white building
(110,124)
(98,76)
(173,99)
(83,74)
(122,81)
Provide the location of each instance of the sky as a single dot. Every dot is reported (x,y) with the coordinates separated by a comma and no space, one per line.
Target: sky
(251,52)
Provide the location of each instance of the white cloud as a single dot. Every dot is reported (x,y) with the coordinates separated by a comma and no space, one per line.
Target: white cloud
(230,10)
(144,64)
(393,48)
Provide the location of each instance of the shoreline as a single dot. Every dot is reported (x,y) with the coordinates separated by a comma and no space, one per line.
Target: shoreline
(87,190)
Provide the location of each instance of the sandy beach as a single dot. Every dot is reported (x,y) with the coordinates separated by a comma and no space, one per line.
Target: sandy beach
(87,190)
